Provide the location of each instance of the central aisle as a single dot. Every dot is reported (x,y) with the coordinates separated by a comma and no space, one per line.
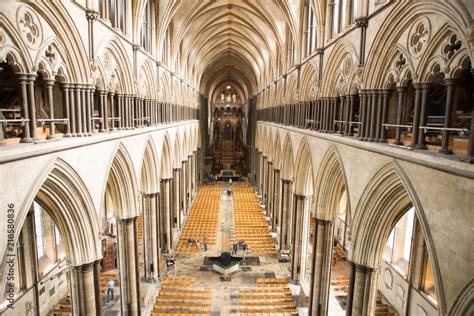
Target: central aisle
(195,289)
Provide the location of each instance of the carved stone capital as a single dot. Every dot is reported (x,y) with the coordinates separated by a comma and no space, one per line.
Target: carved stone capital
(362,22)
(92,15)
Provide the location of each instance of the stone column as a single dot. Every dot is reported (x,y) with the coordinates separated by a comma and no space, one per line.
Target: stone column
(449,82)
(183,188)
(350,115)
(270,191)
(297,224)
(30,83)
(150,236)
(90,108)
(425,89)
(84,106)
(362,110)
(343,112)
(276,219)
(66,109)
(383,130)
(265,183)
(26,129)
(128,265)
(321,267)
(373,116)
(113,113)
(103,124)
(176,198)
(378,123)
(368,112)
(189,183)
(285,214)
(78,108)
(84,282)
(416,114)
(401,102)
(362,291)
(165,214)
(48,83)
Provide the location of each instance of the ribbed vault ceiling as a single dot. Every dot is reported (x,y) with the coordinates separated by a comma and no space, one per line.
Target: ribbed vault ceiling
(228,41)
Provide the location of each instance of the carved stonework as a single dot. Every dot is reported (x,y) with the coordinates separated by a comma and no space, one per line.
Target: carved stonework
(92,15)
(451,47)
(419,36)
(400,62)
(50,54)
(362,22)
(29,27)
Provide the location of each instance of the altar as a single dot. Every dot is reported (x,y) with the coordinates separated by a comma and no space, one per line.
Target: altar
(227,174)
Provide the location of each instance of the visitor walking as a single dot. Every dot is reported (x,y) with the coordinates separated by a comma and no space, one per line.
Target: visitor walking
(234,249)
(170,264)
(110,290)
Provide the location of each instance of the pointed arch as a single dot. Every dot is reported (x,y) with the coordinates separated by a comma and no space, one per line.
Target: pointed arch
(165,165)
(184,146)
(149,168)
(177,151)
(330,183)
(385,200)
(288,161)
(122,184)
(277,151)
(341,72)
(303,170)
(115,66)
(309,77)
(464,303)
(67,200)
(269,143)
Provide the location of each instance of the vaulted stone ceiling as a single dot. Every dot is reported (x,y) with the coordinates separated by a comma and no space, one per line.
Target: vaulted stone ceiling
(239,42)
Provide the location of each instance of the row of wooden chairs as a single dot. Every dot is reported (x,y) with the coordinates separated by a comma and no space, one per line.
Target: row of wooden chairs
(249,222)
(271,296)
(63,307)
(202,221)
(177,297)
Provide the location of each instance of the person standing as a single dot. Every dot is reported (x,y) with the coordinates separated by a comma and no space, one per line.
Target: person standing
(234,249)
(110,290)
(205,241)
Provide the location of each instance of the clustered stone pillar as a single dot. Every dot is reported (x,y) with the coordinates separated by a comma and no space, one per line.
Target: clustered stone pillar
(297,224)
(321,266)
(165,214)
(176,198)
(128,265)
(362,291)
(183,188)
(285,214)
(257,172)
(269,205)
(264,182)
(151,243)
(85,286)
(276,199)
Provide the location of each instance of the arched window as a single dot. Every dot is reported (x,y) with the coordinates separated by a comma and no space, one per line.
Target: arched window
(310,31)
(114,11)
(398,248)
(291,50)
(147,31)
(39,230)
(165,49)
